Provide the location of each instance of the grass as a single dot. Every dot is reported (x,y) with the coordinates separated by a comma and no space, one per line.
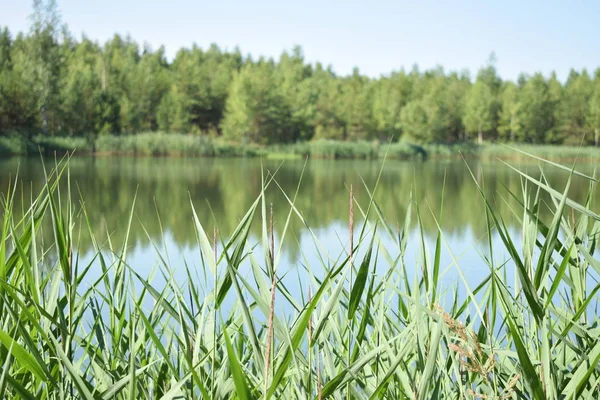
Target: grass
(62,144)
(14,144)
(178,145)
(101,330)
(563,153)
(283,156)
(155,144)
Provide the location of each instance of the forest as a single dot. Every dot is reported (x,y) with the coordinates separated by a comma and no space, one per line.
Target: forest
(53,84)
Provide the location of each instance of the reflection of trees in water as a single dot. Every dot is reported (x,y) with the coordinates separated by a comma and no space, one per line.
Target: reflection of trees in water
(229,186)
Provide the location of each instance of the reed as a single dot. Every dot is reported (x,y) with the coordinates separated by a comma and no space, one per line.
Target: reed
(101,330)
(161,144)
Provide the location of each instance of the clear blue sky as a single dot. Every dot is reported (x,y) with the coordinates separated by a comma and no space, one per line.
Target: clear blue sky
(376,36)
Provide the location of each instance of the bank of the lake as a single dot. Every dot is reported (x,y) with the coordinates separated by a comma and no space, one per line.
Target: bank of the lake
(179,145)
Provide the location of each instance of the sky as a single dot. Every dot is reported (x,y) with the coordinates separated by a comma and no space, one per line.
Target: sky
(376,36)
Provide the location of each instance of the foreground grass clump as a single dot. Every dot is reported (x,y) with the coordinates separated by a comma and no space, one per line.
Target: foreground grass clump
(369,327)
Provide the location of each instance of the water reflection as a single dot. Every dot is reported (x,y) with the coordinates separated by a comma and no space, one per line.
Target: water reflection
(223,189)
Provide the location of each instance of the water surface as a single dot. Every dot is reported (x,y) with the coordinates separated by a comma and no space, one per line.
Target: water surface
(222,190)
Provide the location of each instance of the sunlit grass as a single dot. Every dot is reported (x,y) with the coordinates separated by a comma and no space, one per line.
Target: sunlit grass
(283,156)
(101,330)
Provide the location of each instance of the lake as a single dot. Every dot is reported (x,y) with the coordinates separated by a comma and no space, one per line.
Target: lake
(222,190)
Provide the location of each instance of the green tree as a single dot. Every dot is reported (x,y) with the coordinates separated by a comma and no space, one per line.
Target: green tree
(573,106)
(147,87)
(538,109)
(292,81)
(390,95)
(416,122)
(489,75)
(430,118)
(255,111)
(356,100)
(220,68)
(120,77)
(80,88)
(329,122)
(555,94)
(168,113)
(593,111)
(200,83)
(24,103)
(44,60)
(479,110)
(454,96)
(107,114)
(510,125)
(6,95)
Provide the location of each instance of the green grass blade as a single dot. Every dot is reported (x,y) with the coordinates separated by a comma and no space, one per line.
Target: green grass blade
(239,379)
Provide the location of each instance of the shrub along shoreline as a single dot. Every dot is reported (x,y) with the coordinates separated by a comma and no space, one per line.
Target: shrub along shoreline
(179,145)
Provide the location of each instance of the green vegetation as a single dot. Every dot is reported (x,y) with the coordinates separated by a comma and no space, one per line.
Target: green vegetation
(54,85)
(177,145)
(370,326)
(14,145)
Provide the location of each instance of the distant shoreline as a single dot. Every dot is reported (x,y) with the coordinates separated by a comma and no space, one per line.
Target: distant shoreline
(178,145)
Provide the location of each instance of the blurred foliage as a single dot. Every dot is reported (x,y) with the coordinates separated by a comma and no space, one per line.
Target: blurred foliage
(55,85)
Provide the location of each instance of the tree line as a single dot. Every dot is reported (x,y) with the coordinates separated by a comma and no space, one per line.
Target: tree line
(54,84)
